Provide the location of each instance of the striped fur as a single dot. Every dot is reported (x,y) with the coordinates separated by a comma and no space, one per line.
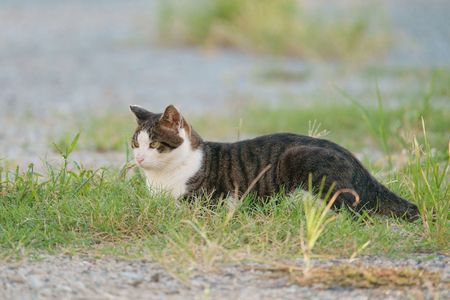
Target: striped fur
(288,159)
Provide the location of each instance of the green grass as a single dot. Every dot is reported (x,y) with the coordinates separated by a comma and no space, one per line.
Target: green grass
(381,127)
(363,123)
(439,77)
(71,208)
(358,126)
(285,27)
(108,131)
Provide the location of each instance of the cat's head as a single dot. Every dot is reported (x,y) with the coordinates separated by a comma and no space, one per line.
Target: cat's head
(162,140)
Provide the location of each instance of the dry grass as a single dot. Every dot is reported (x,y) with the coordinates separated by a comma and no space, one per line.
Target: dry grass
(359,276)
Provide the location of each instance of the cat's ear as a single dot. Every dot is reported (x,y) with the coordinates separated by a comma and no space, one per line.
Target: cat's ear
(172,118)
(141,114)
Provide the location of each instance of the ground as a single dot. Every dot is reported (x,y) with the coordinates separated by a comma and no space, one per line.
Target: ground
(75,277)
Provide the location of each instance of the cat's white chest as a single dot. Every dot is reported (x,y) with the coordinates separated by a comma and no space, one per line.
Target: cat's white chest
(174,180)
(168,171)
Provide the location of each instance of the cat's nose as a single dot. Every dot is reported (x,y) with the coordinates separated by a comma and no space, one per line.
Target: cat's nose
(139,160)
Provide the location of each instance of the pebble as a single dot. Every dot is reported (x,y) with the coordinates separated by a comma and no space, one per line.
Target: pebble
(16,278)
(132,276)
(35,281)
(65,289)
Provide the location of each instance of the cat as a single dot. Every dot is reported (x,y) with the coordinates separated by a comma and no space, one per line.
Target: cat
(175,159)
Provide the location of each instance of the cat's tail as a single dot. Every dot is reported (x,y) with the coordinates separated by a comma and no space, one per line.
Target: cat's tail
(390,204)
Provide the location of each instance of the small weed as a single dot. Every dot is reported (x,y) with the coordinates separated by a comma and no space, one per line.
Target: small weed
(314,130)
(283,75)
(317,217)
(427,180)
(108,131)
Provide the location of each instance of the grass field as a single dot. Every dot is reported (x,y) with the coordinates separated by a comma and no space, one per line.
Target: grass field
(71,208)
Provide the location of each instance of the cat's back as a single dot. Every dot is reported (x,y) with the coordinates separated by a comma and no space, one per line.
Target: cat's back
(281,140)
(268,149)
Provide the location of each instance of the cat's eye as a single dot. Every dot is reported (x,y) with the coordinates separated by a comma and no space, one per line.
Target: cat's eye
(135,144)
(155,145)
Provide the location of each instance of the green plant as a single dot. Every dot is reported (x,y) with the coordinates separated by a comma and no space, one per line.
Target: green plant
(107,131)
(286,27)
(317,217)
(429,185)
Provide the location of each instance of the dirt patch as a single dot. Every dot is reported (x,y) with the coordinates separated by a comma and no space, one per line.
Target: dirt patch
(362,276)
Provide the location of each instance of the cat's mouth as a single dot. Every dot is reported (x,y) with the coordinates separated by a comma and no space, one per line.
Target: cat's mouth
(149,165)
(144,165)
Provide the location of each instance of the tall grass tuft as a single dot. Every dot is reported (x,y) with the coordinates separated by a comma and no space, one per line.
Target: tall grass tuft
(429,185)
(318,216)
(283,27)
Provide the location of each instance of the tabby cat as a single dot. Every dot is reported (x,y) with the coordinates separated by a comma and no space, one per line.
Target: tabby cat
(174,158)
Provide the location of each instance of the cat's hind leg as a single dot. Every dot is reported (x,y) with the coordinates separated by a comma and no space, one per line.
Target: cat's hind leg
(327,169)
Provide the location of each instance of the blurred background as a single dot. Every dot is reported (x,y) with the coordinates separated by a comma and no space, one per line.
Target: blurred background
(235,68)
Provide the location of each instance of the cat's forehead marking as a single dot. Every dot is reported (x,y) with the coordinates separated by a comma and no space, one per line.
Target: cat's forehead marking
(143,138)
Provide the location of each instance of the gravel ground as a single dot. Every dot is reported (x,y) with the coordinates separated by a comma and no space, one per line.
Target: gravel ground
(66,277)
